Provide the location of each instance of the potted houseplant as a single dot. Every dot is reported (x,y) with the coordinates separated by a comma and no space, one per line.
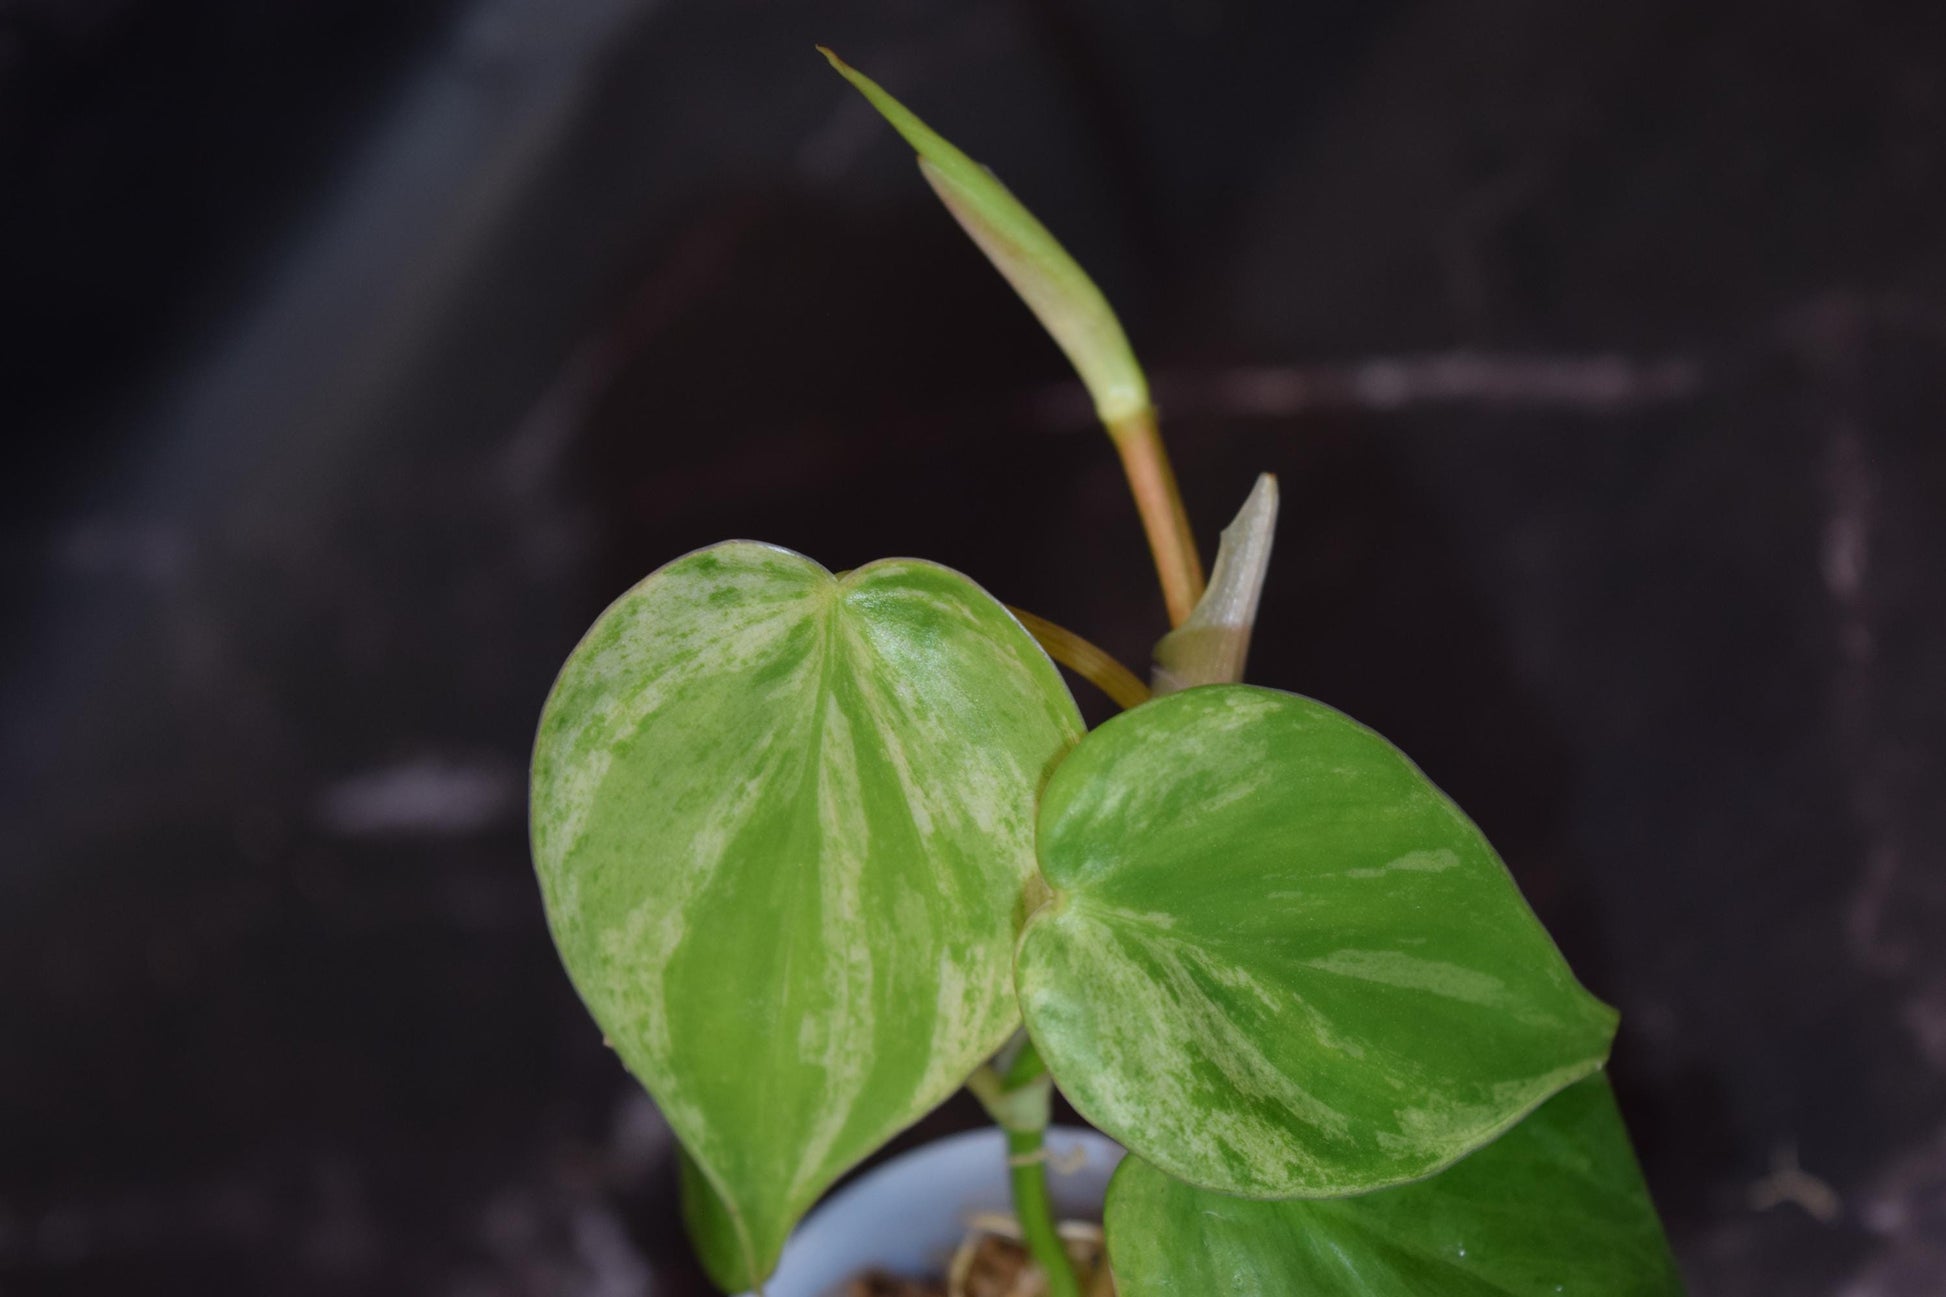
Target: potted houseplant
(819,848)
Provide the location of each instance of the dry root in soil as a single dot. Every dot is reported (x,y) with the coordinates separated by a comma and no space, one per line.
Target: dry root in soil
(992,1263)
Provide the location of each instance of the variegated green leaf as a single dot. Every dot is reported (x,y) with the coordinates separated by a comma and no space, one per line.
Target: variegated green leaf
(1278,961)
(1054,286)
(783,823)
(1554,1206)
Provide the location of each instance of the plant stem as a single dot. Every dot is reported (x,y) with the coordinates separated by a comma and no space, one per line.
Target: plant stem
(1091,663)
(1027,1162)
(1159,500)
(1016,1097)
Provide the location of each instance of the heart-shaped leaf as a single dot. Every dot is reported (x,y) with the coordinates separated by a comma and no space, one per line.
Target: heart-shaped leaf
(1556,1205)
(1279,962)
(783,823)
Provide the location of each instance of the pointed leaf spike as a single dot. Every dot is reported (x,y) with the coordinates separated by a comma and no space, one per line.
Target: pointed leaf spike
(1058,290)
(1212,646)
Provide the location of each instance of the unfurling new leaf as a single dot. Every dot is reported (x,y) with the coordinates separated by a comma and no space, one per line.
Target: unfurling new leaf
(1058,290)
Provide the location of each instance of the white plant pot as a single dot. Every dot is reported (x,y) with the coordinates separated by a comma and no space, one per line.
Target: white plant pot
(907,1216)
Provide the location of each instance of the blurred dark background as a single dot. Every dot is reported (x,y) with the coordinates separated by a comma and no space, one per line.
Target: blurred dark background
(360,351)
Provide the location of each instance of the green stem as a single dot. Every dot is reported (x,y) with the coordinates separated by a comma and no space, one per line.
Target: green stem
(1027,1160)
(1017,1099)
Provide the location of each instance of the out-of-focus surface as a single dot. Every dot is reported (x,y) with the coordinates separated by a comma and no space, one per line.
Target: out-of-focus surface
(362,351)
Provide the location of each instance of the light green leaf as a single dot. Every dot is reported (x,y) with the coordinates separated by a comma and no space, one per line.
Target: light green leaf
(1058,291)
(1278,961)
(783,823)
(1554,1206)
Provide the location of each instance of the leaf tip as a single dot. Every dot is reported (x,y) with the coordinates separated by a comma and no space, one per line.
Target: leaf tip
(923,139)
(1067,303)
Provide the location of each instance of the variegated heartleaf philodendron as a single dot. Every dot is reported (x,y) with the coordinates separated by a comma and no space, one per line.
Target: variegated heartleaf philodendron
(783,822)
(812,847)
(1278,961)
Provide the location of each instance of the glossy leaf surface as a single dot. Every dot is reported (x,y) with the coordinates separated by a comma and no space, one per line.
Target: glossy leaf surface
(1554,1206)
(783,823)
(1279,962)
